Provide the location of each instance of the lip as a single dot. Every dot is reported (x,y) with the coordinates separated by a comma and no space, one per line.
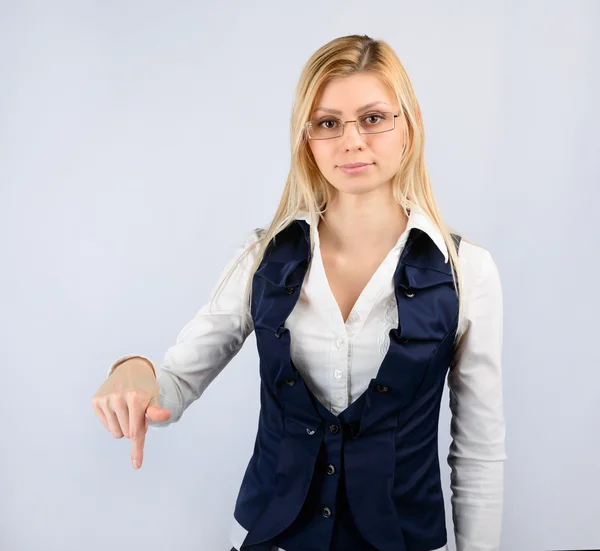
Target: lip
(354,168)
(353,165)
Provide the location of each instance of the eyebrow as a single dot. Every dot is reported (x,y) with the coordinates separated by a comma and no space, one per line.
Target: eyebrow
(336,112)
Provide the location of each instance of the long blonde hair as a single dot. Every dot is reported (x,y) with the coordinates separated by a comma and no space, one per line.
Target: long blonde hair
(307,189)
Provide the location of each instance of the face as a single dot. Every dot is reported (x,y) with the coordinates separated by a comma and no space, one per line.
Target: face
(344,99)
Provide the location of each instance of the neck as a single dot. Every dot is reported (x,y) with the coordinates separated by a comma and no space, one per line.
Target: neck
(355,223)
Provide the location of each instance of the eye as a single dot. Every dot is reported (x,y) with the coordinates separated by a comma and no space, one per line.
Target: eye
(372,118)
(324,122)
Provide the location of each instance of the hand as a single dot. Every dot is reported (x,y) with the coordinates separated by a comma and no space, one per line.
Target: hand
(124,400)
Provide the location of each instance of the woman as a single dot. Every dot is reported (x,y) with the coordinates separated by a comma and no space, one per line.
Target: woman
(383,301)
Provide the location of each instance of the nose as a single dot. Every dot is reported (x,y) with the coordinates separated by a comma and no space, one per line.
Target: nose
(352,138)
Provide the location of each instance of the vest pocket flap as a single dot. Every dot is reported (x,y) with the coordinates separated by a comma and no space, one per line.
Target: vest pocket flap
(305,426)
(281,274)
(415,278)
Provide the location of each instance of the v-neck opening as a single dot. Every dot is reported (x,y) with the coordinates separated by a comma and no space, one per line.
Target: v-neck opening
(370,292)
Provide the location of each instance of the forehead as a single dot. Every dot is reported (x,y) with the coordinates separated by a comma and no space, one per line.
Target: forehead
(347,95)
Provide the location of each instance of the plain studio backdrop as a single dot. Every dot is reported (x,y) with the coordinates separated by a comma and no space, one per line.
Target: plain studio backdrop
(141,141)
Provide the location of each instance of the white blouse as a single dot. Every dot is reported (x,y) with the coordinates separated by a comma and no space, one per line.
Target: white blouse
(355,350)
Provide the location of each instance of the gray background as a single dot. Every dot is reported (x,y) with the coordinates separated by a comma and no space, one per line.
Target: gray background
(141,141)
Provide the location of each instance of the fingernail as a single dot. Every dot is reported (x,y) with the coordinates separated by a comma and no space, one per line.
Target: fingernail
(136,464)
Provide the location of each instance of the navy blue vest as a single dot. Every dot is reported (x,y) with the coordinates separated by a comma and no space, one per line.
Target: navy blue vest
(369,478)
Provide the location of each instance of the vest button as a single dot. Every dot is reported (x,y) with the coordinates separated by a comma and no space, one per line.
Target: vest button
(403,341)
(330,469)
(409,294)
(381,388)
(326,512)
(290,382)
(334,429)
(309,431)
(290,290)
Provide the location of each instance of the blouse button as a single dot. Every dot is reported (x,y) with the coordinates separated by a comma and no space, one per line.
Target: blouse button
(337,374)
(340,342)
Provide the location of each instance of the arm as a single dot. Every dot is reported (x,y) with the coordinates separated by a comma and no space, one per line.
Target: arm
(477,451)
(206,344)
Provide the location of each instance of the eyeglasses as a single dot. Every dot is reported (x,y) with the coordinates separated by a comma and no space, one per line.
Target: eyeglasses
(331,127)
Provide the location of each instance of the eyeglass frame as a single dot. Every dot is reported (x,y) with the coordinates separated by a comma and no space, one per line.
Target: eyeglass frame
(355,121)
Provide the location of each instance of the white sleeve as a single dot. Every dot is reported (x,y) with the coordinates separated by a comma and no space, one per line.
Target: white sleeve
(477,450)
(207,343)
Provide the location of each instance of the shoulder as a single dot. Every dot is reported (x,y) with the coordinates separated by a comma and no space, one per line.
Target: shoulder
(253,236)
(482,288)
(475,260)
(243,254)
(248,247)
(229,288)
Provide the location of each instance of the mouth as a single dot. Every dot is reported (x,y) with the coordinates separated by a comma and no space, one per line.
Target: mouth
(355,168)
(354,165)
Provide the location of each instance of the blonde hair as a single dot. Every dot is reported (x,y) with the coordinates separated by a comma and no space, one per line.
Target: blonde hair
(307,189)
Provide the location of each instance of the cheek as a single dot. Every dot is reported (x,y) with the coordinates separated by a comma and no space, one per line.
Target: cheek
(389,152)
(322,154)
(393,145)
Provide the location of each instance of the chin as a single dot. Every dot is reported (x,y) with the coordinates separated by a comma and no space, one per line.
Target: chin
(355,186)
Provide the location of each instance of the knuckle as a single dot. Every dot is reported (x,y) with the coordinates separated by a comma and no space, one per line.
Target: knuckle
(104,401)
(136,397)
(98,401)
(116,397)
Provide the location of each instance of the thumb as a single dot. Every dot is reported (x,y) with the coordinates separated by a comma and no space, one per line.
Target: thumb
(155,412)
